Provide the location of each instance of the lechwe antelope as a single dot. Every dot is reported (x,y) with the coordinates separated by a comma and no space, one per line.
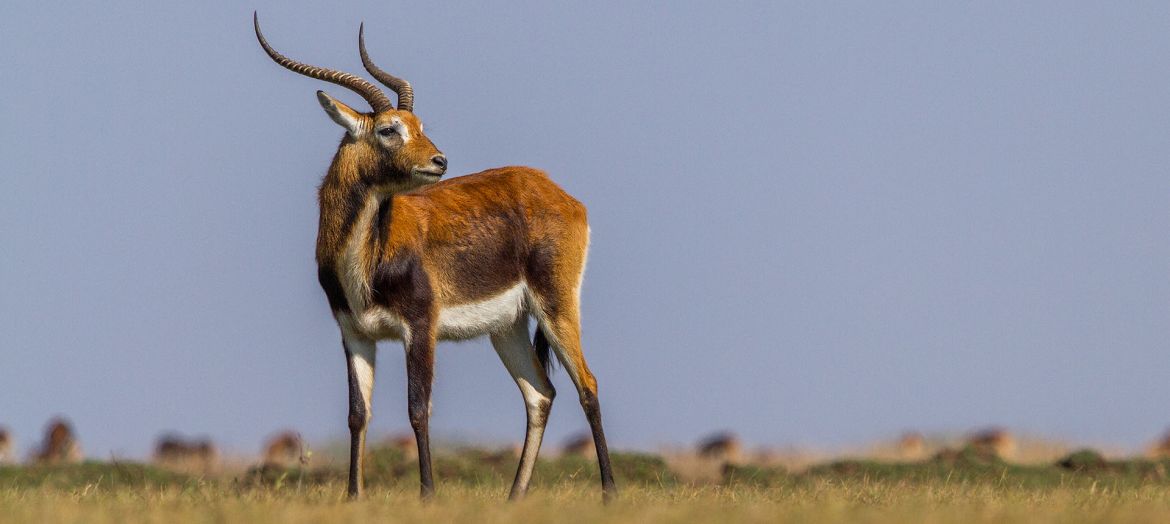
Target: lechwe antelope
(5,446)
(284,450)
(60,445)
(402,257)
(189,455)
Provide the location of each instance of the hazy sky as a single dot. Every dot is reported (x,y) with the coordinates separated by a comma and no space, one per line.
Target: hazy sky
(813,223)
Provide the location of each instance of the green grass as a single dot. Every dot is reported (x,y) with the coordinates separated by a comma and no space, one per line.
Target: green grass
(964,486)
(388,467)
(97,475)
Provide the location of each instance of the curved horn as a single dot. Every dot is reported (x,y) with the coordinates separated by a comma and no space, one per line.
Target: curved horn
(401,87)
(369,91)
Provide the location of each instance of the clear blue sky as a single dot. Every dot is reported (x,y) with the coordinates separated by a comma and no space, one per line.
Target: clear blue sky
(814,223)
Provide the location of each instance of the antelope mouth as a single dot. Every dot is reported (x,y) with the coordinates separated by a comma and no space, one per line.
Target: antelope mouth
(429,174)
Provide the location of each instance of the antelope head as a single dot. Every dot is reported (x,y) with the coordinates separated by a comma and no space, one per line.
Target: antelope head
(391,138)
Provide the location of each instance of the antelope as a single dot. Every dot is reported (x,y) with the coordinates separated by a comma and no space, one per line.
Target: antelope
(5,446)
(283,450)
(1161,448)
(996,440)
(911,445)
(402,442)
(723,446)
(177,452)
(403,256)
(579,445)
(60,445)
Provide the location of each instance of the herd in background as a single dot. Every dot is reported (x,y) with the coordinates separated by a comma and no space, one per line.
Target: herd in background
(60,445)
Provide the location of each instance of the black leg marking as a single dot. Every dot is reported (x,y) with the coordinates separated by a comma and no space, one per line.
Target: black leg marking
(357,431)
(593,414)
(420,371)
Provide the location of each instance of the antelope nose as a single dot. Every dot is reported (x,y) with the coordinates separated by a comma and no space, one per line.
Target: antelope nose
(441,161)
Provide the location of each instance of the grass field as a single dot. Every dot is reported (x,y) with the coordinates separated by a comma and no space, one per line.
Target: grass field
(964,486)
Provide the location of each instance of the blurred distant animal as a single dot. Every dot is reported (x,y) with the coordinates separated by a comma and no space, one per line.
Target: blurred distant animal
(5,446)
(911,445)
(404,443)
(283,450)
(175,451)
(723,446)
(403,256)
(502,455)
(60,445)
(1161,448)
(996,440)
(579,445)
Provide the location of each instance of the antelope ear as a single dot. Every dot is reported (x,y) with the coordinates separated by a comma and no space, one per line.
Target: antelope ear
(352,121)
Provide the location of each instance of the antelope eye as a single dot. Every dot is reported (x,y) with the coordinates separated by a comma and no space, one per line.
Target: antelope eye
(387,131)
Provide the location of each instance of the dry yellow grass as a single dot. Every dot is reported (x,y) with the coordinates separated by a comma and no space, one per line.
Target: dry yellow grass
(960,485)
(825,501)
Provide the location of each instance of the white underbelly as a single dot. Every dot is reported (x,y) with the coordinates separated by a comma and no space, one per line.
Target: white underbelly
(456,322)
(483,317)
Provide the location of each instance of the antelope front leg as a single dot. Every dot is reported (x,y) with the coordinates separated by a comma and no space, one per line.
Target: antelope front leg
(359,356)
(420,372)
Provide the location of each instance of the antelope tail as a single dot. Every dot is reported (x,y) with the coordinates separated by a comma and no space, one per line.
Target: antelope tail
(540,345)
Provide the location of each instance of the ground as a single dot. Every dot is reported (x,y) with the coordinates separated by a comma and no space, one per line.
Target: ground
(962,486)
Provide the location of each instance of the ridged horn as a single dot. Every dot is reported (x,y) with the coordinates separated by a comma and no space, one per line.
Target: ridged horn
(368,91)
(399,86)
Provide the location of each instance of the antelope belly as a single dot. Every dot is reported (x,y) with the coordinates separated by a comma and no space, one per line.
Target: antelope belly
(486,316)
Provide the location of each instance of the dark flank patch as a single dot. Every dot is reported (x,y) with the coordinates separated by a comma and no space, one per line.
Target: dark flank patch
(484,272)
(489,257)
(401,285)
(333,291)
(540,273)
